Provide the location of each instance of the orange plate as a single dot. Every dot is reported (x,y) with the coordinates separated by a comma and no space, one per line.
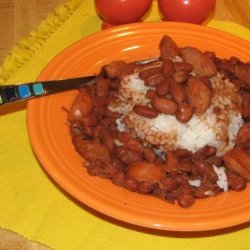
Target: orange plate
(51,139)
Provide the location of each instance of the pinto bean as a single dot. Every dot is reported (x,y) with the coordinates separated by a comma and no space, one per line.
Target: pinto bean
(145,111)
(184,112)
(202,64)
(108,140)
(135,145)
(204,152)
(198,94)
(164,105)
(155,80)
(119,179)
(205,170)
(182,66)
(102,87)
(149,154)
(171,163)
(215,160)
(236,182)
(151,93)
(145,187)
(124,137)
(131,184)
(76,128)
(180,76)
(145,171)
(243,134)
(128,156)
(178,92)
(168,68)
(149,73)
(167,184)
(82,106)
(238,161)
(185,200)
(168,48)
(162,89)
(102,169)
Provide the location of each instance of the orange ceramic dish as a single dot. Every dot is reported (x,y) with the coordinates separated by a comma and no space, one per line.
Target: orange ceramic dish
(51,139)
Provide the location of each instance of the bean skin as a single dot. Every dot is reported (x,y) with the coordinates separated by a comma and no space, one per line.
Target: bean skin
(185,200)
(178,92)
(164,105)
(184,112)
(145,111)
(162,89)
(167,68)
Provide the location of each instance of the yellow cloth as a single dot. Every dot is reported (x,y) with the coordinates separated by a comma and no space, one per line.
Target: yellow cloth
(35,207)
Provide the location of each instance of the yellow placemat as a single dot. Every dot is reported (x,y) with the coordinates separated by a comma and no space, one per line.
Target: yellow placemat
(33,205)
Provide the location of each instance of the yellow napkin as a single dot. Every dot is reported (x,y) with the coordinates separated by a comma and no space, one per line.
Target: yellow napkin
(33,205)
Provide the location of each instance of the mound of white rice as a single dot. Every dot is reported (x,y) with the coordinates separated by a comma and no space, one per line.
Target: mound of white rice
(217,129)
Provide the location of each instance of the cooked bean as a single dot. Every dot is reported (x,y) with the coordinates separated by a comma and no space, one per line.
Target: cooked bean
(145,171)
(76,128)
(185,200)
(186,166)
(180,76)
(164,105)
(178,92)
(131,184)
(167,184)
(182,66)
(243,134)
(124,137)
(205,170)
(184,112)
(151,93)
(215,160)
(168,67)
(108,140)
(119,179)
(145,111)
(204,152)
(128,156)
(155,80)
(236,182)
(198,94)
(149,154)
(135,145)
(162,89)
(145,187)
(148,73)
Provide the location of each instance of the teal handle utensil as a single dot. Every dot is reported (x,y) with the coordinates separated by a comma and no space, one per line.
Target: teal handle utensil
(24,91)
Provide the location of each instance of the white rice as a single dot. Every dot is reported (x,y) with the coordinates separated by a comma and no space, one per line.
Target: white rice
(222,178)
(168,133)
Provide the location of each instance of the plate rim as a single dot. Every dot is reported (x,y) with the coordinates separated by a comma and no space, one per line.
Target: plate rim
(110,32)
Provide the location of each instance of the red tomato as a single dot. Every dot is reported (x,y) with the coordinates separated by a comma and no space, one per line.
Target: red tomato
(191,11)
(122,11)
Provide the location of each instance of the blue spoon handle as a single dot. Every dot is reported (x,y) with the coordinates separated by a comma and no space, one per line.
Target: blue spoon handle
(24,91)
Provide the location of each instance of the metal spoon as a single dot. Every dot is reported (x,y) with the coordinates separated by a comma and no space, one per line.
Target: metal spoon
(24,91)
